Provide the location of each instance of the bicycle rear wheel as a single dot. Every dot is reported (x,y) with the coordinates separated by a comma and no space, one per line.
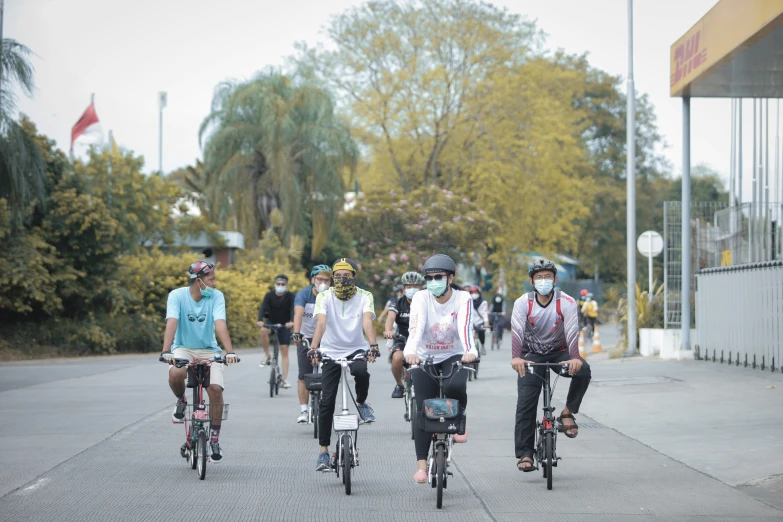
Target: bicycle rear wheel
(201,449)
(440,473)
(272,380)
(192,450)
(549,450)
(316,405)
(414,417)
(347,447)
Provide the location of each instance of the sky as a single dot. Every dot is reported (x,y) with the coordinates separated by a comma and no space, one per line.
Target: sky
(126,52)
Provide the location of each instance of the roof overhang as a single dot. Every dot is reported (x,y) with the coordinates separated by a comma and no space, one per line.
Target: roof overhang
(735,50)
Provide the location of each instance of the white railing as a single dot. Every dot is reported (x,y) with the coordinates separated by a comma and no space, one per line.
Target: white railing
(739,315)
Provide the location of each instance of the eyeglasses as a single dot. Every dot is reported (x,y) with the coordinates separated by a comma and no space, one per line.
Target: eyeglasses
(547,277)
(436,277)
(322,279)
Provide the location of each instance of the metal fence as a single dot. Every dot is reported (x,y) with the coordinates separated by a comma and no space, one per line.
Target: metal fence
(704,252)
(739,315)
(749,233)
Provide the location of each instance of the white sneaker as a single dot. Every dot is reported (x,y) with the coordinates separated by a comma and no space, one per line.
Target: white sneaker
(285,384)
(303,417)
(264,363)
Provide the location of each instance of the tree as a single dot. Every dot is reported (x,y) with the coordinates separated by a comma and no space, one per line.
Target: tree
(22,166)
(409,70)
(276,142)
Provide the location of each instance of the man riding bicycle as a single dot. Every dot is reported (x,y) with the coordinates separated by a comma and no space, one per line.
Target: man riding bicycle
(439,327)
(481,321)
(545,330)
(304,328)
(342,313)
(278,308)
(399,313)
(579,304)
(497,318)
(590,312)
(194,314)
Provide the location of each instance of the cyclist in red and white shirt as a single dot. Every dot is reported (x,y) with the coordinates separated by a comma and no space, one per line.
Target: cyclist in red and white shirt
(439,327)
(545,328)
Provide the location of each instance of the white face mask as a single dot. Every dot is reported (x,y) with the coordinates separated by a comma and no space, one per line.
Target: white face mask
(410,292)
(474,296)
(280,289)
(498,299)
(322,287)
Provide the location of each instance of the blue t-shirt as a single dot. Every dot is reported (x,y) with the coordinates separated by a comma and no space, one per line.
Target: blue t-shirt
(306,299)
(196,321)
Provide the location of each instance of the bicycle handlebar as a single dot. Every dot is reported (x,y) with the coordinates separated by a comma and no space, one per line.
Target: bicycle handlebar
(429,364)
(181,363)
(273,326)
(563,366)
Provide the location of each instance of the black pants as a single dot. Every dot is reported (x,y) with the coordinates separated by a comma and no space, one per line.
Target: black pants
(528,390)
(481,336)
(426,387)
(330,383)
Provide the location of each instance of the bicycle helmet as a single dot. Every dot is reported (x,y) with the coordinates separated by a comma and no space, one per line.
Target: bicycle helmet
(398,288)
(541,264)
(200,268)
(440,263)
(344,264)
(583,292)
(412,278)
(317,269)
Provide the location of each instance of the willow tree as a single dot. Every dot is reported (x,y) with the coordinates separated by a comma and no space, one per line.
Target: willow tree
(276,142)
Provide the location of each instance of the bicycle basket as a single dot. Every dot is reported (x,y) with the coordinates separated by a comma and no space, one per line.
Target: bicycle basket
(441,416)
(313,381)
(204,414)
(346,422)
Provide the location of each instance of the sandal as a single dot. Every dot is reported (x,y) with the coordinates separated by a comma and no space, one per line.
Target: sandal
(565,429)
(420,476)
(526,460)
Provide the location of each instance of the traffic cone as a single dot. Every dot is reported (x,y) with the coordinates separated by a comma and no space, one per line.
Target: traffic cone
(582,353)
(597,342)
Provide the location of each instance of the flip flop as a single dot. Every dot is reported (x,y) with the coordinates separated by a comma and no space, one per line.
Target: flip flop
(532,463)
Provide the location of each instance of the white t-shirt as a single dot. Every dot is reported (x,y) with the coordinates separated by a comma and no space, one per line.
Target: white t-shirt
(440,330)
(344,334)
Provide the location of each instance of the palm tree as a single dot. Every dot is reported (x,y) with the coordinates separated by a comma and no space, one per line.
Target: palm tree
(276,142)
(22,165)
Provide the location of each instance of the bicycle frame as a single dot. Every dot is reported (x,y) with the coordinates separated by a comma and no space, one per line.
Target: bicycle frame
(547,424)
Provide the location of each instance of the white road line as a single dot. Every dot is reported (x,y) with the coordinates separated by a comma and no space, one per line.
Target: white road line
(34,486)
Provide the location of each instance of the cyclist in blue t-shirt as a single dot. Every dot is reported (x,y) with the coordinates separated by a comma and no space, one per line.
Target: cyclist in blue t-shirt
(194,314)
(304,328)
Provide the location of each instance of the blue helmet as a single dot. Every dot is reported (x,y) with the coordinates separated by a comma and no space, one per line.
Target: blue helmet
(317,269)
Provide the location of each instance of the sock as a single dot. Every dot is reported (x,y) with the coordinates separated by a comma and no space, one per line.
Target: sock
(182,398)
(215,433)
(303,407)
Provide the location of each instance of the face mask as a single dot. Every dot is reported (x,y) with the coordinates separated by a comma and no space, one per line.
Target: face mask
(207,291)
(587,299)
(498,299)
(410,292)
(323,287)
(544,286)
(345,288)
(474,296)
(438,288)
(280,289)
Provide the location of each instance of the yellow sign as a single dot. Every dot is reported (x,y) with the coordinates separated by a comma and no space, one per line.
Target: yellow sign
(725,258)
(725,31)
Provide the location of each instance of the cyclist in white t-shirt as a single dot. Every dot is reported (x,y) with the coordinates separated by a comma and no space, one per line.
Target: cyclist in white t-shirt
(440,328)
(342,313)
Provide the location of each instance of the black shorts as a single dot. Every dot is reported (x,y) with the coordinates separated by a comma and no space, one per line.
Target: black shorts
(305,365)
(399,344)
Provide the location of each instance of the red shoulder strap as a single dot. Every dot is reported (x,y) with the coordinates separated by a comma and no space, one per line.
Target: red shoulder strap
(557,306)
(530,307)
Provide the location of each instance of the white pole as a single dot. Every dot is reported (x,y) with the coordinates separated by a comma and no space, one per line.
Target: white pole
(162,99)
(685,317)
(650,265)
(630,187)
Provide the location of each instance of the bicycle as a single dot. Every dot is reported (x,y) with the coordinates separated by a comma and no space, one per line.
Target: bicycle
(441,417)
(477,344)
(547,428)
(409,395)
(496,331)
(313,385)
(196,436)
(276,376)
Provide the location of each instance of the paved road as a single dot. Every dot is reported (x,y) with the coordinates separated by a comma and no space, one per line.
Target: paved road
(91,440)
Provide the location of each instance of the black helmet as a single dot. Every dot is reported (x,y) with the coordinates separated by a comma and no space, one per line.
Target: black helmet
(440,263)
(541,264)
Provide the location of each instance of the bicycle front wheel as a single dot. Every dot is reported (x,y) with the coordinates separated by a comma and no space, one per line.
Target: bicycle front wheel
(314,412)
(201,449)
(549,450)
(414,417)
(440,473)
(272,381)
(347,451)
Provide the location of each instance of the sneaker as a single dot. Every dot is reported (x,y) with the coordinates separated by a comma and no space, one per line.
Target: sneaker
(284,384)
(366,413)
(303,417)
(183,451)
(216,455)
(264,364)
(178,415)
(483,351)
(399,392)
(323,461)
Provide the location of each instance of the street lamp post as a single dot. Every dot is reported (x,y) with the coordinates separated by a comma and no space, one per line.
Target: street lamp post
(631,194)
(162,98)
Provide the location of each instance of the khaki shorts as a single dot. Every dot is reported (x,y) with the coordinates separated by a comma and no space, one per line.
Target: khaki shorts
(216,370)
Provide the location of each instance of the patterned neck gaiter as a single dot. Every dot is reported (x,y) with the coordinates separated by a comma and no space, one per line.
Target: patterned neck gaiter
(345,288)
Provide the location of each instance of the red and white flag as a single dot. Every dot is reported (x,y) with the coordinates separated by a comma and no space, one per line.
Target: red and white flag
(88,127)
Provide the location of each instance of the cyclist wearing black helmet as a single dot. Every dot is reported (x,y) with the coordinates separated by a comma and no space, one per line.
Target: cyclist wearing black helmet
(439,328)
(304,328)
(545,328)
(399,313)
